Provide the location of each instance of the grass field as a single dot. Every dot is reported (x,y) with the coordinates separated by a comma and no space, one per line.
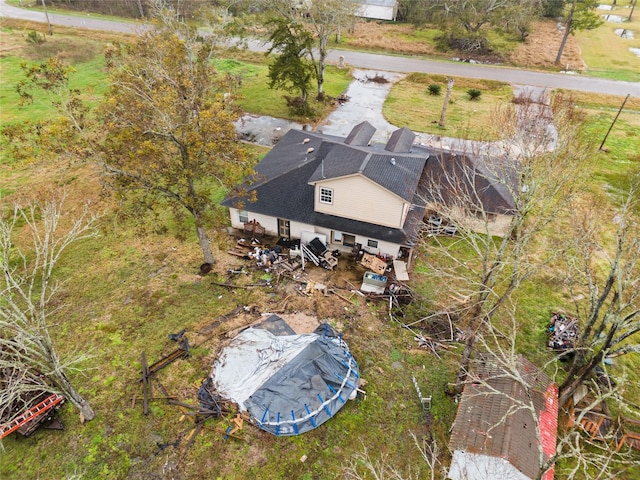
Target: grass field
(410,104)
(138,281)
(606,54)
(258,99)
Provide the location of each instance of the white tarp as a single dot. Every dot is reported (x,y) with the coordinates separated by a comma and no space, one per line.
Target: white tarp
(251,359)
(289,384)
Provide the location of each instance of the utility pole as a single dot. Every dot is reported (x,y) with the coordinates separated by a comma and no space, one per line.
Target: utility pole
(614,121)
(44,6)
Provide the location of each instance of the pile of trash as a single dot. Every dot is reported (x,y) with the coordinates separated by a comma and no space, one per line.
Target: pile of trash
(265,257)
(563,331)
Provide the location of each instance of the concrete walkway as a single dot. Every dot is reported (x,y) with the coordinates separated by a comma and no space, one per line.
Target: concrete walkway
(365,102)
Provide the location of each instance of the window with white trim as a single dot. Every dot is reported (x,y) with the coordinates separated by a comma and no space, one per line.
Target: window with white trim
(243,216)
(326,195)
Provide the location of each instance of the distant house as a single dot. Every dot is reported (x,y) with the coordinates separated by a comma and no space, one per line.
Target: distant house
(494,436)
(353,194)
(373,9)
(378,9)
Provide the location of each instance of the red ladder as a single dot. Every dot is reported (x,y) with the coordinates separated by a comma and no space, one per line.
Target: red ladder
(34,412)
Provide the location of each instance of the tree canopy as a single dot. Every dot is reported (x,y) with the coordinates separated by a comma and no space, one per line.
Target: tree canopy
(320,20)
(463,20)
(169,118)
(579,15)
(291,71)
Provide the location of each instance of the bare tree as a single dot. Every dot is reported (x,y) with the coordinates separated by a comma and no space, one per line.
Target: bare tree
(580,458)
(500,198)
(29,301)
(362,465)
(609,271)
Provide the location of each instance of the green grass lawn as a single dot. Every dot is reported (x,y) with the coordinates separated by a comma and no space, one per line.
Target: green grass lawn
(606,54)
(89,77)
(137,282)
(258,99)
(409,104)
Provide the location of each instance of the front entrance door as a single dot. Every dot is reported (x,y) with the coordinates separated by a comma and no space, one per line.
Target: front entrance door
(284,228)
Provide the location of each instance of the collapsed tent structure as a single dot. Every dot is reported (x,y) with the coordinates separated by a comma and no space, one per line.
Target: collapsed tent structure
(288,383)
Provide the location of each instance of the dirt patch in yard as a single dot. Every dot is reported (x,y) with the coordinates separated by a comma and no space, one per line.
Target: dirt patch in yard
(541,48)
(399,38)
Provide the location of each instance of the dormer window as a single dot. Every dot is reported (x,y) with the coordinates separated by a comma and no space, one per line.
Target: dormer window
(326,195)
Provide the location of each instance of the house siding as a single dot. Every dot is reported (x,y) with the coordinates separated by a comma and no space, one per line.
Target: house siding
(269,223)
(296,228)
(358,198)
(385,248)
(473,466)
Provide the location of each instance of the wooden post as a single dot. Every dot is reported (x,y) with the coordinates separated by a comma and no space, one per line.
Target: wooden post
(633,7)
(145,384)
(446,101)
(44,6)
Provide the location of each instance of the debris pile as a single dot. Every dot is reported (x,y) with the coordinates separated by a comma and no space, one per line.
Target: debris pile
(436,226)
(563,331)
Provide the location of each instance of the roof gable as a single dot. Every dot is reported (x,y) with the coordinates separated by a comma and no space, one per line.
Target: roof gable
(397,174)
(361,134)
(401,141)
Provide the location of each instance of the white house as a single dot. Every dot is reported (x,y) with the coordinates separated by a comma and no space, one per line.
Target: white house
(357,195)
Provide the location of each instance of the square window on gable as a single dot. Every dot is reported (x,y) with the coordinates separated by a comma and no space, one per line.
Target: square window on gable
(326,195)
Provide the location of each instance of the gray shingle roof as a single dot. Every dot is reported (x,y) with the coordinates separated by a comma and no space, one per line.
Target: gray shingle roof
(361,134)
(283,189)
(475,178)
(401,141)
(284,179)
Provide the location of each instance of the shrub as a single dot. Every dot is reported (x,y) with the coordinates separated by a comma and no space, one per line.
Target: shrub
(434,89)
(35,37)
(474,94)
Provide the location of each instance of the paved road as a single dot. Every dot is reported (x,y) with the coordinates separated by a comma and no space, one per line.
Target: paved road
(382,62)
(80,21)
(489,72)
